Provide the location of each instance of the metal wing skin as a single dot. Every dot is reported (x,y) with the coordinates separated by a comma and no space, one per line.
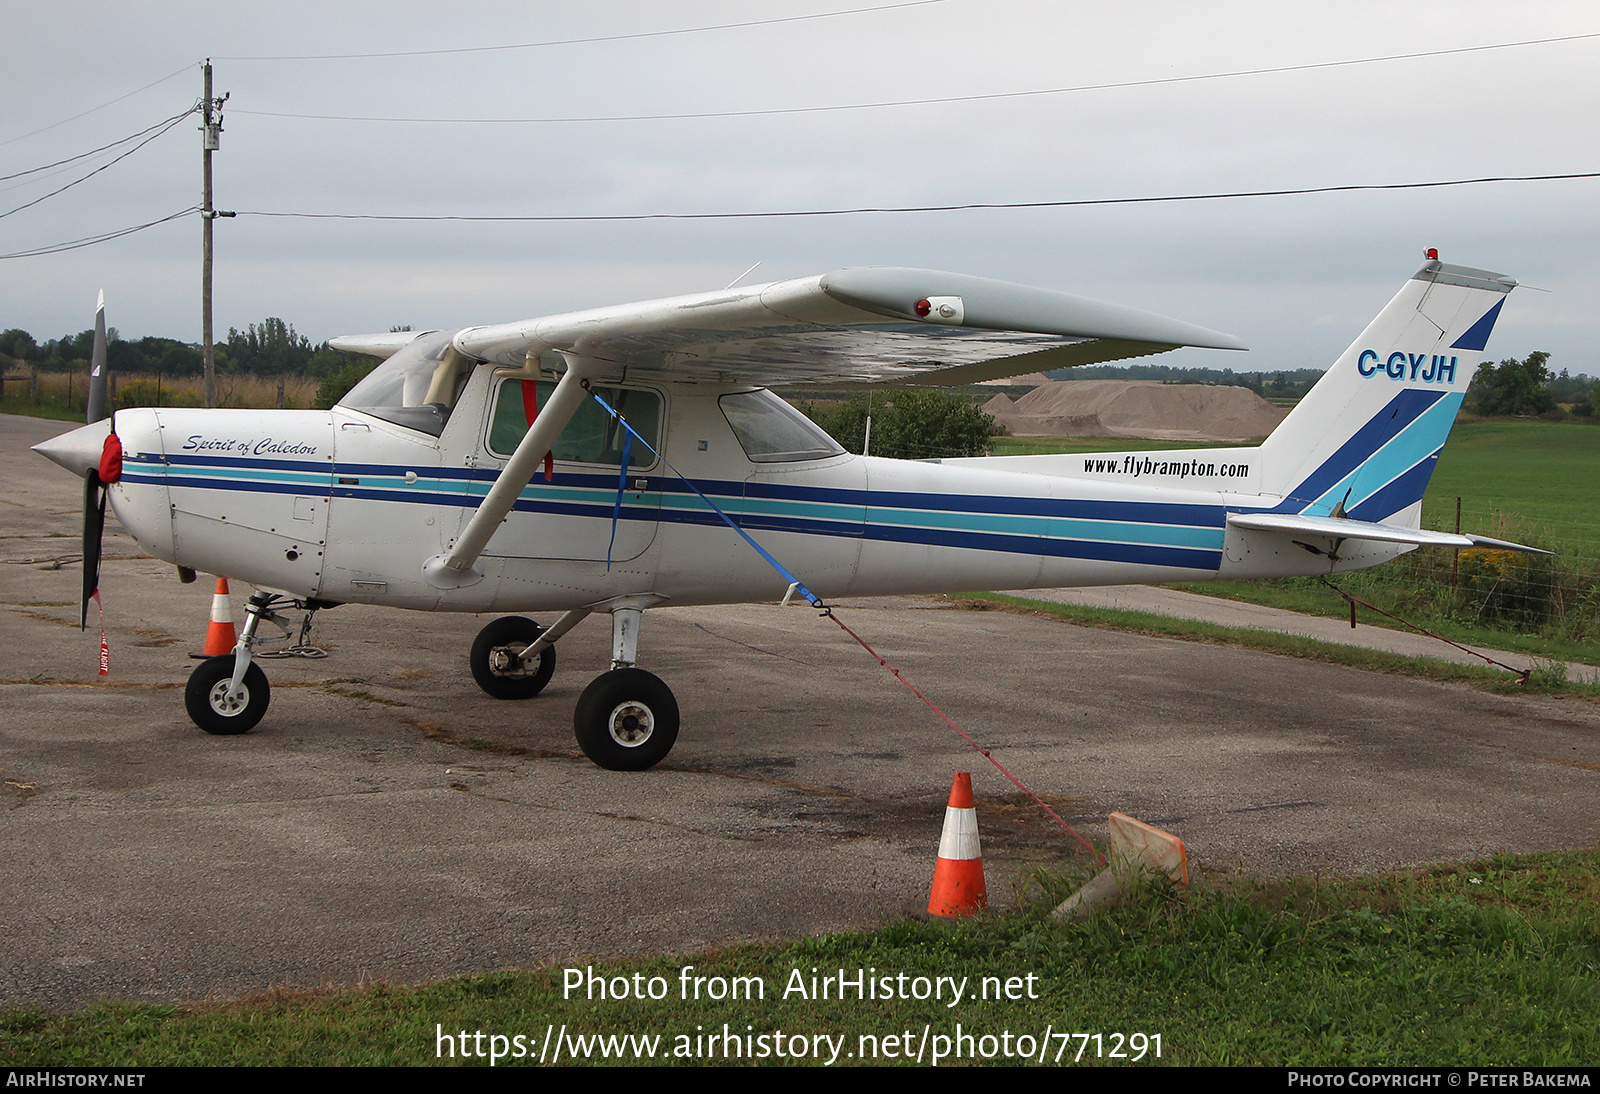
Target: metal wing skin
(382,346)
(867,325)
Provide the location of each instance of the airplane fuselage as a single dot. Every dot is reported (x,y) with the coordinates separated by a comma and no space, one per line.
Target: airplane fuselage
(345,506)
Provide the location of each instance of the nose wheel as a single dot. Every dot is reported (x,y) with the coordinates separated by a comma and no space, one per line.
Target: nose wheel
(215,708)
(626,720)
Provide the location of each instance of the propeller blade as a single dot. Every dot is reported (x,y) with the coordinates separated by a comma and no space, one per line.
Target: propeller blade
(94,483)
(94,523)
(97,364)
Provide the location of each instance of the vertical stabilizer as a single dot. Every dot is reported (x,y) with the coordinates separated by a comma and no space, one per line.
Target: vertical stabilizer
(1364,441)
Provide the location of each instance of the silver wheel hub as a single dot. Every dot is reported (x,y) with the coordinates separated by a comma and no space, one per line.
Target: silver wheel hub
(631,724)
(501,662)
(223,705)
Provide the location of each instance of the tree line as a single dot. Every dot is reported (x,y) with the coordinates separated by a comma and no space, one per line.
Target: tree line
(1512,388)
(1525,388)
(1281,384)
(1528,389)
(270,348)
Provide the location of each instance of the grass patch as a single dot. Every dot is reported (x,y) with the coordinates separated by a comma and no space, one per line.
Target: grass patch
(1310,596)
(1272,642)
(1540,471)
(363,696)
(1484,964)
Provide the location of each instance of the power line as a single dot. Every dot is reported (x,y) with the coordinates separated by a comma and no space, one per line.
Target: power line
(84,178)
(938,100)
(1080,202)
(103,237)
(102,148)
(93,109)
(587,41)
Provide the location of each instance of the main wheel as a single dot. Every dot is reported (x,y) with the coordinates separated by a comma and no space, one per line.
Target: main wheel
(206,697)
(627,720)
(496,665)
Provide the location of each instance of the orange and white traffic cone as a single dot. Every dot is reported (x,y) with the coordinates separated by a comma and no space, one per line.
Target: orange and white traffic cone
(958,875)
(221,637)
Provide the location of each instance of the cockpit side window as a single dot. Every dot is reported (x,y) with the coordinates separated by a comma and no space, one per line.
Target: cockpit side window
(772,431)
(417,387)
(593,436)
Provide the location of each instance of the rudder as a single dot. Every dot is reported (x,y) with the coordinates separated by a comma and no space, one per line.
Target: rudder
(1364,441)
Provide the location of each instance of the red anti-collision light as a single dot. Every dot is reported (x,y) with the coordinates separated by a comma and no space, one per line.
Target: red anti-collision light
(922,308)
(1433,254)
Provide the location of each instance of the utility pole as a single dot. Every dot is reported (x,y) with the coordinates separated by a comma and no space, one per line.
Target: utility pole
(210,139)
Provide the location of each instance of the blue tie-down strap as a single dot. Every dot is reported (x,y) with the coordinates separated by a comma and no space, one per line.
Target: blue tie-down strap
(796,584)
(622,484)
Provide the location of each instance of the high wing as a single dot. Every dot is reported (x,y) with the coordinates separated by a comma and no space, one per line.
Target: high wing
(865,325)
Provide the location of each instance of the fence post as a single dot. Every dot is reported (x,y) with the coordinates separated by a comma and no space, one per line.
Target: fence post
(1455,563)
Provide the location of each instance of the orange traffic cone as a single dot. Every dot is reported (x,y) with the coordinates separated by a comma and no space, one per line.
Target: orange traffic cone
(958,875)
(221,637)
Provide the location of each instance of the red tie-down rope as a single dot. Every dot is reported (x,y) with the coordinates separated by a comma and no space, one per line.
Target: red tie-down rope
(1522,674)
(817,603)
(1099,859)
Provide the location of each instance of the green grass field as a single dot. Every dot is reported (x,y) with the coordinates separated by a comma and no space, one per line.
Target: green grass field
(1483,964)
(1540,472)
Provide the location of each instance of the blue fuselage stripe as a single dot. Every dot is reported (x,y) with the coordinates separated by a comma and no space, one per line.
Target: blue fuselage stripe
(1152,533)
(1382,428)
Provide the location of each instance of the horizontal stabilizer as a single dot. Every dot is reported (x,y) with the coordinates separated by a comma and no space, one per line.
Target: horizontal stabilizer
(1345,528)
(1506,545)
(382,346)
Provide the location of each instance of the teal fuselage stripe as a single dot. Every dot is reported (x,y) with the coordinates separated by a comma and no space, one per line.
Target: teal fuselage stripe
(891,518)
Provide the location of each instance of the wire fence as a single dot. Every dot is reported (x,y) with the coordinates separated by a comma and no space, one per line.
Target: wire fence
(66,393)
(1555,595)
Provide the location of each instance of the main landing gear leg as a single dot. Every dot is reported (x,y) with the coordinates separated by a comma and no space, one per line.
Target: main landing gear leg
(627,719)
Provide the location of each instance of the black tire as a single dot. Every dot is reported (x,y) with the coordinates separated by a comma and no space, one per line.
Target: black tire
(491,664)
(204,697)
(626,720)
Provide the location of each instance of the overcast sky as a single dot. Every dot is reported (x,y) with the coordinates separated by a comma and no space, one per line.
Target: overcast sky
(1295,277)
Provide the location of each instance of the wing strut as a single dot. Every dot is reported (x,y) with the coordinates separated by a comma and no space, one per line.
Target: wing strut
(456,569)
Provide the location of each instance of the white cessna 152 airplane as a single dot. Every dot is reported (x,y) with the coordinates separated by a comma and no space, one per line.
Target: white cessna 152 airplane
(621,458)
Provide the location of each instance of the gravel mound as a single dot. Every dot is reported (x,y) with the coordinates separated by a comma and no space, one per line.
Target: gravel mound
(1136,408)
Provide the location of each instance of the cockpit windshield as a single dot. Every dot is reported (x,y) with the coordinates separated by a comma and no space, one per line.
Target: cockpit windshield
(417,387)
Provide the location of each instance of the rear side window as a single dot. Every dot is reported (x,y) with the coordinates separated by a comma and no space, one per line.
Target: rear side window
(593,436)
(772,431)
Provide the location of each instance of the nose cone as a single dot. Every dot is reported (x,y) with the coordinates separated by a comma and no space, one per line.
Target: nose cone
(77,450)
